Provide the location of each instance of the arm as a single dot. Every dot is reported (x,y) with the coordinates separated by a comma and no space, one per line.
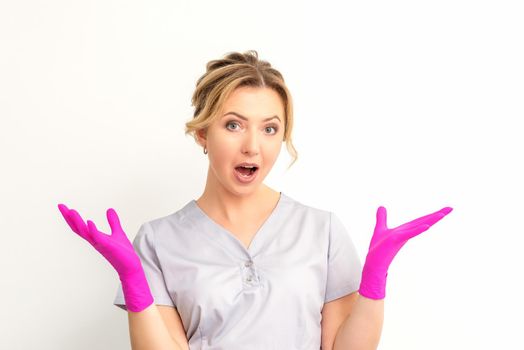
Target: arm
(363,326)
(148,331)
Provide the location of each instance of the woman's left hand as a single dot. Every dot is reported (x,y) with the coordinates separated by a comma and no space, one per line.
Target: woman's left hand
(385,244)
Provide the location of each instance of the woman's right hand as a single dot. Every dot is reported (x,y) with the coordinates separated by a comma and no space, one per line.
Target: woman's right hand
(118,250)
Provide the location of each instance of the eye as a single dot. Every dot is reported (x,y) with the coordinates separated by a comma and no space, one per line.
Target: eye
(273,127)
(231,123)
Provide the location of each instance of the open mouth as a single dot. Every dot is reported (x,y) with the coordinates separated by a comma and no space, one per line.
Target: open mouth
(246,171)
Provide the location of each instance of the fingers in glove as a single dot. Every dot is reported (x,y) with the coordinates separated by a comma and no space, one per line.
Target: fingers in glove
(64,210)
(429,219)
(79,223)
(97,237)
(405,235)
(74,221)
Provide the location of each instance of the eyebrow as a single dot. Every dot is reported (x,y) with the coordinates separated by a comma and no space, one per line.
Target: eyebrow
(242,117)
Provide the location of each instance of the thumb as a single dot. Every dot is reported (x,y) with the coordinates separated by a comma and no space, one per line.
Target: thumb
(116,228)
(114,221)
(381,219)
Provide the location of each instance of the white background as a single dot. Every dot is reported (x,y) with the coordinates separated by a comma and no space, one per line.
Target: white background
(413,105)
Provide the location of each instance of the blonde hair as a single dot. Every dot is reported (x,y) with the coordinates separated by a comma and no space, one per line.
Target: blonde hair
(223,76)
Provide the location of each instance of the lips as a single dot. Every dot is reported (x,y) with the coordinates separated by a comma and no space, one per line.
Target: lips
(247,168)
(246,164)
(246,173)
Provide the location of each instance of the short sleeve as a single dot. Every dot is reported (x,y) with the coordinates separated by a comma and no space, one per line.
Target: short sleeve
(144,246)
(344,266)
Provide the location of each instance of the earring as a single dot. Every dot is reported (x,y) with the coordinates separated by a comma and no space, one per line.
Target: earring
(205,150)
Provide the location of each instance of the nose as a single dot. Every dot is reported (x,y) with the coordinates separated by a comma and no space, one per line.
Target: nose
(250,143)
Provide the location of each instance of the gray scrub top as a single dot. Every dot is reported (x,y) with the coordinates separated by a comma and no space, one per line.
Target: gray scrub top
(269,296)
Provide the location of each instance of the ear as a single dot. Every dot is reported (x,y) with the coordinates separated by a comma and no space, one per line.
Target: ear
(201,136)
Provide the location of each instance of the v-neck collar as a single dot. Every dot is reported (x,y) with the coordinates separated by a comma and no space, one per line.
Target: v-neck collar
(225,237)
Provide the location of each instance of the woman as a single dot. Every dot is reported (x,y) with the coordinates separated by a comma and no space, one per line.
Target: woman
(245,266)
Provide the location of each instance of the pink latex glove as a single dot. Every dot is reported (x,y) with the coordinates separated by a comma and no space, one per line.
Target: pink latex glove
(118,250)
(385,244)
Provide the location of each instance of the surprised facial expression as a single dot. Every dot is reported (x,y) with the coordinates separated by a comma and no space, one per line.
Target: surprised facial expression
(250,129)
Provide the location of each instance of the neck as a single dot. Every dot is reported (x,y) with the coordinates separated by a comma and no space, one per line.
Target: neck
(233,207)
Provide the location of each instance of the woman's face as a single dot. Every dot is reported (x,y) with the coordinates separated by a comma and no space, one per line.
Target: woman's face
(250,128)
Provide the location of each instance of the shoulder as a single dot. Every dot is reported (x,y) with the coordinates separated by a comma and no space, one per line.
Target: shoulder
(167,224)
(325,220)
(307,211)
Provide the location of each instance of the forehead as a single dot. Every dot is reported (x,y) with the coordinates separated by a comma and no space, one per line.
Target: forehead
(254,99)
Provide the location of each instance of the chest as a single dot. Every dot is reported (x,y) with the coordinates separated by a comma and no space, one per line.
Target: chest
(224,293)
(244,232)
